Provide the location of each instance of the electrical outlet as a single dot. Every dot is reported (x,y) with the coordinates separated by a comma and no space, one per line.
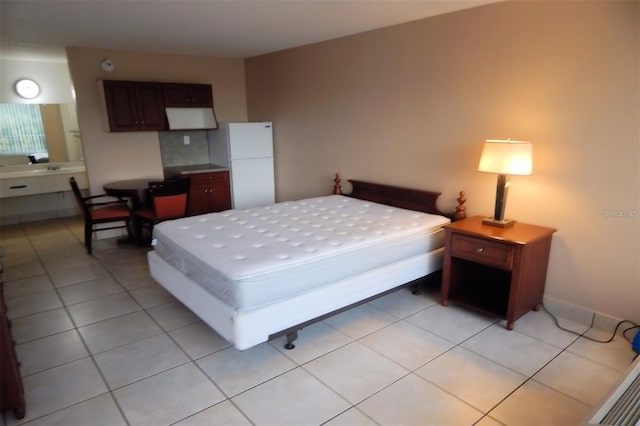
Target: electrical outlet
(186,139)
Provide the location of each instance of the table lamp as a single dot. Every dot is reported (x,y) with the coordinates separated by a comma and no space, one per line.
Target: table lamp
(504,157)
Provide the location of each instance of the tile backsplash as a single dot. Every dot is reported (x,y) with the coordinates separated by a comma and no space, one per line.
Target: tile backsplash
(177,152)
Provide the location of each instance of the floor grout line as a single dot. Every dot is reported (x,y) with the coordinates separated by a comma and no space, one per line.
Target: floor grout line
(103,261)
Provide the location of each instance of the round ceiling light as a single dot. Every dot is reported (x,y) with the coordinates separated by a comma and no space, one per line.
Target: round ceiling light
(27,89)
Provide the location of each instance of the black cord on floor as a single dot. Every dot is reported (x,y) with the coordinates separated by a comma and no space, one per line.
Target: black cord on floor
(615,331)
(624,333)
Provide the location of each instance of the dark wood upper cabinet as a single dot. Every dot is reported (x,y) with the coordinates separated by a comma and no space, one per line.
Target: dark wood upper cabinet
(134,106)
(187,95)
(151,106)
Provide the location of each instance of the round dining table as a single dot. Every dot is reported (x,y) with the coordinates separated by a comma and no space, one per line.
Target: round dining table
(134,189)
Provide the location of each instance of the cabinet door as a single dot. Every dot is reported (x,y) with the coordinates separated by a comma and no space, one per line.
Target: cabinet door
(221,197)
(209,192)
(120,97)
(214,197)
(134,106)
(198,199)
(150,106)
(200,95)
(176,95)
(187,95)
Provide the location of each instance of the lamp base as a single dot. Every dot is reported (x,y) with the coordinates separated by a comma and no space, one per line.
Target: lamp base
(501,223)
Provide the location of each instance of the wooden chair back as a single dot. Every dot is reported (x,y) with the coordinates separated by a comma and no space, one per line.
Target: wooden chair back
(100,209)
(169,198)
(79,198)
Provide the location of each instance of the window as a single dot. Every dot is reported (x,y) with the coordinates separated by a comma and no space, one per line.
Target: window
(21,129)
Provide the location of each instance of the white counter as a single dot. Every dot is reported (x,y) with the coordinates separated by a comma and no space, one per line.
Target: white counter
(43,178)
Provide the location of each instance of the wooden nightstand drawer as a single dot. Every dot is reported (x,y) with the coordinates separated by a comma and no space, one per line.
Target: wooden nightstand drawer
(482,251)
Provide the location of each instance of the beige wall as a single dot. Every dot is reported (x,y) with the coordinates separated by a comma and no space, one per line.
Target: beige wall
(412,104)
(129,155)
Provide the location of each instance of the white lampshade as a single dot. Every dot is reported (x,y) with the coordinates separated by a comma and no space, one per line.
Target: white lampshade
(506,157)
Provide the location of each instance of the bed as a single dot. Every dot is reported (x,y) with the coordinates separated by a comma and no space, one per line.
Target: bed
(259,273)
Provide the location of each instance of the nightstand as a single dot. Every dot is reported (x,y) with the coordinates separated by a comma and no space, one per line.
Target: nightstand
(501,271)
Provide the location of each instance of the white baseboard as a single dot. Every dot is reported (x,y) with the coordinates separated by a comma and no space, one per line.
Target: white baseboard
(37,216)
(569,311)
(582,315)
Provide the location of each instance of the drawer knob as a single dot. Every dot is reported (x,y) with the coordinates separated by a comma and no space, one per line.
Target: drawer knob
(479,249)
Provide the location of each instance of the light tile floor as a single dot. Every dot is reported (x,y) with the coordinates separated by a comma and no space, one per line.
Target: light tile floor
(102,344)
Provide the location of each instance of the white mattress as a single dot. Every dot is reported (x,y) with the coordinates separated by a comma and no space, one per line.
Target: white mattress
(253,257)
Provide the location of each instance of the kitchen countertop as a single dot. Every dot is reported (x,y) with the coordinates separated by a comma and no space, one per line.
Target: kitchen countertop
(176,171)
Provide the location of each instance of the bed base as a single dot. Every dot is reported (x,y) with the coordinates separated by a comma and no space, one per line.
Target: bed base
(292,333)
(247,328)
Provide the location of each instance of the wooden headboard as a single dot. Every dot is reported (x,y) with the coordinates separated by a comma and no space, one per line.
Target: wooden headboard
(405,198)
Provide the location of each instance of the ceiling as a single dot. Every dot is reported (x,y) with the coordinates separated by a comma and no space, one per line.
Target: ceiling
(222,28)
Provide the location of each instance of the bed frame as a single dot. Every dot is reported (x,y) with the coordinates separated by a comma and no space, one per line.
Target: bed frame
(396,196)
(412,199)
(404,198)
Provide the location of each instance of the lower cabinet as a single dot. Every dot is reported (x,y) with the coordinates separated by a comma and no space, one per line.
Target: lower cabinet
(209,192)
(11,390)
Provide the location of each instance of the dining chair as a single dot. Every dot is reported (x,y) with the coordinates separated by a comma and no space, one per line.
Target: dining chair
(167,199)
(98,212)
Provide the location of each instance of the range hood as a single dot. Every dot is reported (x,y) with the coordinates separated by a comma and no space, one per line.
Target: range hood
(191,118)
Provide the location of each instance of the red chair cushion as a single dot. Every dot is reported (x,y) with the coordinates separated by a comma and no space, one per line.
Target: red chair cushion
(112,212)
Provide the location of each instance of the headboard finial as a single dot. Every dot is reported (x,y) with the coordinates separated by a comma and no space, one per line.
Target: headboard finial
(461,208)
(337,187)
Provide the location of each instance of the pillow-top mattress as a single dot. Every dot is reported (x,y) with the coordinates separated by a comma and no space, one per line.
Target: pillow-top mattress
(248,258)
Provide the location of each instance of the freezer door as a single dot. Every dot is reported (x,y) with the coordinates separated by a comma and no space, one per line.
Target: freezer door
(250,140)
(252,182)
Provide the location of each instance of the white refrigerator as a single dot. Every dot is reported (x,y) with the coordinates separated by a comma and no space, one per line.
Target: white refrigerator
(247,150)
